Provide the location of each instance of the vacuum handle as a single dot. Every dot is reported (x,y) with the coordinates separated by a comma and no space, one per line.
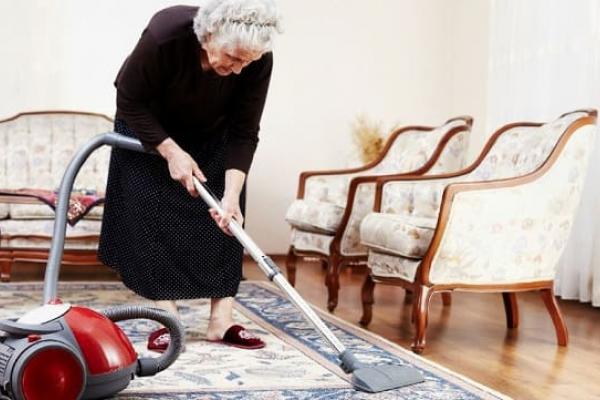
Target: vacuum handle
(18,329)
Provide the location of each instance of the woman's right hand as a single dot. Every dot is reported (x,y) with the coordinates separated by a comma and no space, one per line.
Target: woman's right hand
(181,165)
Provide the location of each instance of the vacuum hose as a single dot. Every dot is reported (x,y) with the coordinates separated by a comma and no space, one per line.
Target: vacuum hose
(148,366)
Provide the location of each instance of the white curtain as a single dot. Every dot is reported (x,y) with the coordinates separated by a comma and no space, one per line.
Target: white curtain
(545,60)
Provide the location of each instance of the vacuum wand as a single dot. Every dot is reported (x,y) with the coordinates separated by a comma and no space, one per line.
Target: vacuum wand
(364,377)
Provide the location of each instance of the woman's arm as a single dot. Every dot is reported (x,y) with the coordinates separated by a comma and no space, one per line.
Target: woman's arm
(245,113)
(140,82)
(234,183)
(181,165)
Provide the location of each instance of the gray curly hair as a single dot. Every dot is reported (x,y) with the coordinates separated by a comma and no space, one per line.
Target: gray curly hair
(251,24)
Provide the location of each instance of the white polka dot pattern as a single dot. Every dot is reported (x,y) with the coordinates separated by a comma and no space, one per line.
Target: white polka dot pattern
(161,240)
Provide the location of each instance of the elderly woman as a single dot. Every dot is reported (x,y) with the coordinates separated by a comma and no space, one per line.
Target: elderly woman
(192,90)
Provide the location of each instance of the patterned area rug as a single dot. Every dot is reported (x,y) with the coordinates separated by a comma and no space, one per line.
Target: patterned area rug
(295,364)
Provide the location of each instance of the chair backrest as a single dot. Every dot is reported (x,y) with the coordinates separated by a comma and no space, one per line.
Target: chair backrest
(513,150)
(522,149)
(453,154)
(35,148)
(408,149)
(412,149)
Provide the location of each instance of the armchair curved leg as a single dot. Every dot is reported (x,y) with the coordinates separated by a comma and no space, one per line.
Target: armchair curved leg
(422,308)
(368,288)
(5,269)
(562,334)
(414,298)
(324,265)
(290,265)
(332,280)
(512,310)
(447,299)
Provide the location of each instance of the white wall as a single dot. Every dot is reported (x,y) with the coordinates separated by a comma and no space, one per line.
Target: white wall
(468,58)
(65,53)
(399,61)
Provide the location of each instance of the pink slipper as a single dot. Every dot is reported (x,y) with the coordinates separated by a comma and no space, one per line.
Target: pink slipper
(238,336)
(159,340)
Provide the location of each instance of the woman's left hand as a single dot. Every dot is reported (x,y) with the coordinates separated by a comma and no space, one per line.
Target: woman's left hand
(231,208)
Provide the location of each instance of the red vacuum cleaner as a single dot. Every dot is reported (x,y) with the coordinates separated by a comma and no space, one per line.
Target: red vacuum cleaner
(64,352)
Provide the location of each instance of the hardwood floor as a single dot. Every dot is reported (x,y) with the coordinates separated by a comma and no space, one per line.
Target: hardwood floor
(469,337)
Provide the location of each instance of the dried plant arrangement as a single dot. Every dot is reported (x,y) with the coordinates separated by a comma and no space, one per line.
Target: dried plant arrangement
(368,138)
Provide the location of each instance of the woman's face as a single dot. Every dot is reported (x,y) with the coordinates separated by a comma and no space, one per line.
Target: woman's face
(225,59)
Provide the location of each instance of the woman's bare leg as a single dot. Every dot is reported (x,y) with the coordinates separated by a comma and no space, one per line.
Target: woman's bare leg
(221,317)
(168,305)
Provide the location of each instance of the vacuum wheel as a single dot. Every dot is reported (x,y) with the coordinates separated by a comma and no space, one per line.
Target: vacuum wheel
(51,373)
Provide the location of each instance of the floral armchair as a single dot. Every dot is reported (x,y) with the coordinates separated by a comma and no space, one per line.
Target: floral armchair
(323,226)
(500,225)
(35,148)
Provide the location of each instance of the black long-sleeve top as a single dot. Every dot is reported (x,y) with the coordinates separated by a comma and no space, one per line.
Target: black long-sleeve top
(163,92)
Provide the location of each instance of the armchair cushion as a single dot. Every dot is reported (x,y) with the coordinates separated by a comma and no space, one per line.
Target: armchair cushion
(311,241)
(391,266)
(314,216)
(397,234)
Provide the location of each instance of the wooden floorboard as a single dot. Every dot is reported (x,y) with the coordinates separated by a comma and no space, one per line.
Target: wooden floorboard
(469,337)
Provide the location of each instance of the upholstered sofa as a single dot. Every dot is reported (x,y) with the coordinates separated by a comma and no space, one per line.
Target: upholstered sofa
(35,148)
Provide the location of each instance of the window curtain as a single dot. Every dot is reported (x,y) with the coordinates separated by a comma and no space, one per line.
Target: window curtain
(544,61)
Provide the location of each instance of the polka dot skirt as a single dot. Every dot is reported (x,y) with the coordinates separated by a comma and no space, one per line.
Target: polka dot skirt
(161,240)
